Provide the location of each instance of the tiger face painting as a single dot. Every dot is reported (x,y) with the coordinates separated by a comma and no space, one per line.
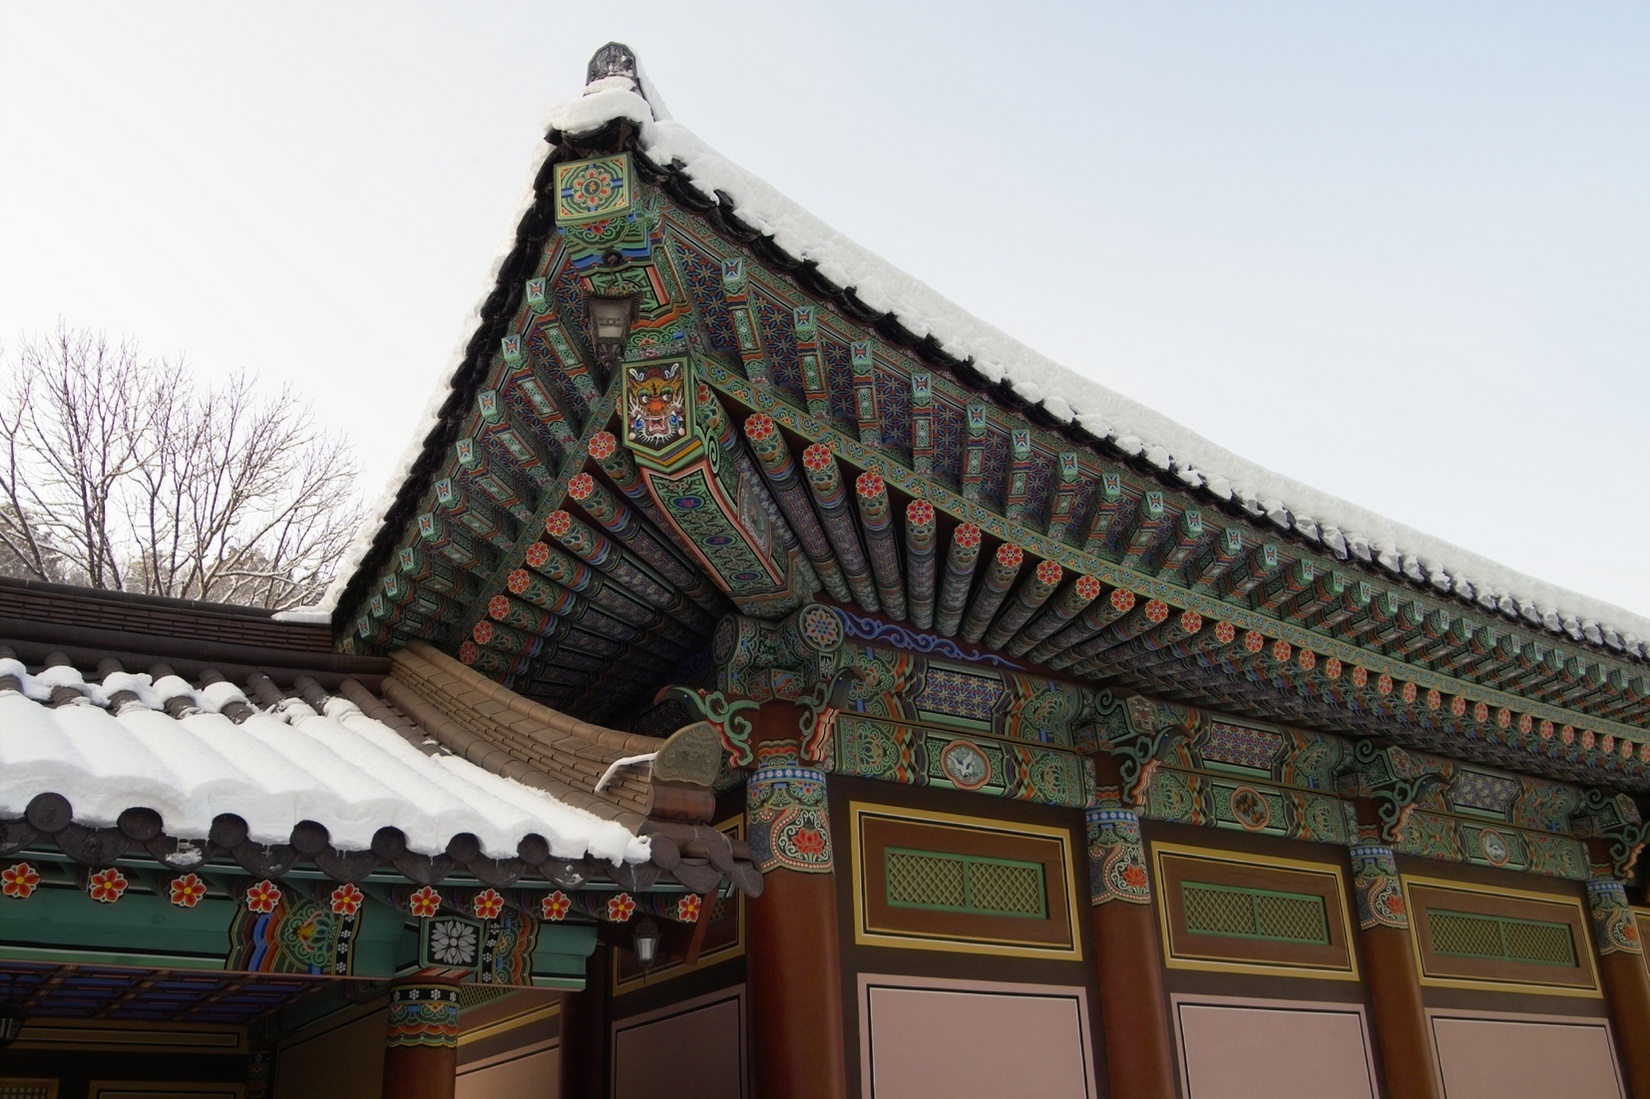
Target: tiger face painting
(654,407)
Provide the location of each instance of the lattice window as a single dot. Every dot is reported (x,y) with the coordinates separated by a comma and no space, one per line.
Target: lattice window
(964,883)
(1470,935)
(1240,913)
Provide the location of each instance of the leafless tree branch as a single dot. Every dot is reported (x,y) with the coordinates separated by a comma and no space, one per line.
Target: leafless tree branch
(122,472)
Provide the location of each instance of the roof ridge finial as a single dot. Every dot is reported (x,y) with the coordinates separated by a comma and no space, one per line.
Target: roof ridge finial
(613,59)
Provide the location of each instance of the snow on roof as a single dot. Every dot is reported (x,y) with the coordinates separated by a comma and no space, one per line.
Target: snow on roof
(274,769)
(1342,528)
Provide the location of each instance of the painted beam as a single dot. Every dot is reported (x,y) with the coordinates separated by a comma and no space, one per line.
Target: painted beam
(921,544)
(994,586)
(774,459)
(876,519)
(961,559)
(831,498)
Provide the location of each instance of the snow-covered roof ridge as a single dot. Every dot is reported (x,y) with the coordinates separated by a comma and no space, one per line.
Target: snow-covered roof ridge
(1341,527)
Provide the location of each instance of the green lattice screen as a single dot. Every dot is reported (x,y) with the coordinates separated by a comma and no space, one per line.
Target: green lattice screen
(1240,913)
(1471,935)
(946,882)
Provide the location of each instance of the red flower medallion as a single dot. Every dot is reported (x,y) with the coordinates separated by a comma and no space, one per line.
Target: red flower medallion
(264,896)
(424,902)
(347,899)
(187,891)
(19,880)
(487,904)
(107,885)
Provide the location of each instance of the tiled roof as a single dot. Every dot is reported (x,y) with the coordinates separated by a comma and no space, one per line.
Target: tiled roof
(419,766)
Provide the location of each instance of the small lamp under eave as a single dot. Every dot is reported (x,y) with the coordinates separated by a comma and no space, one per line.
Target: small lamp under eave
(645,942)
(610,326)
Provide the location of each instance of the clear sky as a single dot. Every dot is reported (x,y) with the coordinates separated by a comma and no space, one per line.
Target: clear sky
(1400,252)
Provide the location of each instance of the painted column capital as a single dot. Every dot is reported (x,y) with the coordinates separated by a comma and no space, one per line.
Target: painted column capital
(423,1014)
(787,821)
(1614,931)
(1376,885)
(1117,859)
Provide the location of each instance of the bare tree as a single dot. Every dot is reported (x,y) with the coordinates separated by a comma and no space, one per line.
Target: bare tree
(119,471)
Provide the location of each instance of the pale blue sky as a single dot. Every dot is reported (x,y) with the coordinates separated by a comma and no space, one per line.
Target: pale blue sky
(1400,252)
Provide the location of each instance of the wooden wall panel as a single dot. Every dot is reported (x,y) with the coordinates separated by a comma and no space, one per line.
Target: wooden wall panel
(1503,1055)
(530,1073)
(692,1050)
(336,1059)
(973,1039)
(1232,1048)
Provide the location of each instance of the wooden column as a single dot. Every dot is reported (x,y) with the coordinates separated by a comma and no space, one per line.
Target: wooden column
(793,956)
(1394,983)
(421,1043)
(1626,981)
(1134,1010)
(584,1032)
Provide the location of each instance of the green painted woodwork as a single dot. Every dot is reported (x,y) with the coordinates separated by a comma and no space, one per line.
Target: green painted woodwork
(1134,532)
(66,925)
(1235,912)
(940,881)
(1501,938)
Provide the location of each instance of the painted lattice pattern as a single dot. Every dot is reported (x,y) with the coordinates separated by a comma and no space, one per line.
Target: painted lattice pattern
(1254,913)
(960,694)
(779,344)
(1039,480)
(1007,887)
(948,438)
(995,475)
(1477,790)
(929,881)
(703,276)
(839,380)
(960,883)
(1470,935)
(1241,746)
(894,406)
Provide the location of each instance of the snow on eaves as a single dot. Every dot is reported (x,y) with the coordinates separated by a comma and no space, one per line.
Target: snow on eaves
(278,767)
(1342,528)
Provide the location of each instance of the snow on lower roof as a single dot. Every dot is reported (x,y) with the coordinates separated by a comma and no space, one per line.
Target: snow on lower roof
(280,766)
(1343,528)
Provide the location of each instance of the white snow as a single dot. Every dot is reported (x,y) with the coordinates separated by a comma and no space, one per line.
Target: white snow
(1066,395)
(1070,397)
(342,769)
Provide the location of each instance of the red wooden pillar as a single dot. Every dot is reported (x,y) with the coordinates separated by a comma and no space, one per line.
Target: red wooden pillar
(421,1043)
(584,1032)
(1134,1010)
(1394,983)
(1626,981)
(793,957)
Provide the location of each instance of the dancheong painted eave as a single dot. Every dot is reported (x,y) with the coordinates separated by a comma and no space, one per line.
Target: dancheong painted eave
(904,309)
(524,540)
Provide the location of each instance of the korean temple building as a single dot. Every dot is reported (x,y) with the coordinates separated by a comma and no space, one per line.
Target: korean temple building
(764,679)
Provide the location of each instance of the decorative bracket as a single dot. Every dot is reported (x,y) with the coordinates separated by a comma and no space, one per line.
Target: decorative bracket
(1613,821)
(1137,745)
(725,715)
(1392,779)
(818,720)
